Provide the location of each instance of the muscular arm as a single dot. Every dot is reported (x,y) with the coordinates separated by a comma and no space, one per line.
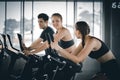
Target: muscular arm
(41,47)
(35,44)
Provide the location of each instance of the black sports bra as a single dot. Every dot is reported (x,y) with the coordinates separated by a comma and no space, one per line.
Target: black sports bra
(103,50)
(66,44)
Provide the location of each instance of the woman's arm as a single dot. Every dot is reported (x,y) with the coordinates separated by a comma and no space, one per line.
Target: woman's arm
(82,55)
(77,50)
(60,35)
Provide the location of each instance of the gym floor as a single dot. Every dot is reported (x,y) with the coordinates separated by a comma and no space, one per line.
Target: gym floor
(90,67)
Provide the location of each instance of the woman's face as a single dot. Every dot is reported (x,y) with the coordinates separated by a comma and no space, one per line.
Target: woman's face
(56,22)
(78,33)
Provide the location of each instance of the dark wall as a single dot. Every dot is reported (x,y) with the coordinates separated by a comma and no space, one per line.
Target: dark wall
(112,25)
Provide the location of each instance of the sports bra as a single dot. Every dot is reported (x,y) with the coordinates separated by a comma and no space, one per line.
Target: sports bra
(65,44)
(103,50)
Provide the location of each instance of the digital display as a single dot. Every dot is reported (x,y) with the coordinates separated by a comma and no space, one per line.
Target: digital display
(116,4)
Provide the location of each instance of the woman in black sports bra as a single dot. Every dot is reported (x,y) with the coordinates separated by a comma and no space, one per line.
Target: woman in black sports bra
(94,48)
(62,36)
(64,39)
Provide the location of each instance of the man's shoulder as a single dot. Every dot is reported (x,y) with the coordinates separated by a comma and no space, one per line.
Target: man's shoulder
(49,29)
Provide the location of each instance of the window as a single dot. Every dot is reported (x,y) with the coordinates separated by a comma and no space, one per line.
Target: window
(2,16)
(48,8)
(21,17)
(91,13)
(13,21)
(28,26)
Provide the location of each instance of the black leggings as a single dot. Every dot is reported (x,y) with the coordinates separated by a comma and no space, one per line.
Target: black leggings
(112,69)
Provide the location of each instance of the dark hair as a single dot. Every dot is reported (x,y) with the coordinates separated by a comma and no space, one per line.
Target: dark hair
(84,29)
(58,15)
(44,16)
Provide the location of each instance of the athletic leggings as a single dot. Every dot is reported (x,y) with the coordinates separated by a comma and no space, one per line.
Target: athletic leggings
(112,69)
